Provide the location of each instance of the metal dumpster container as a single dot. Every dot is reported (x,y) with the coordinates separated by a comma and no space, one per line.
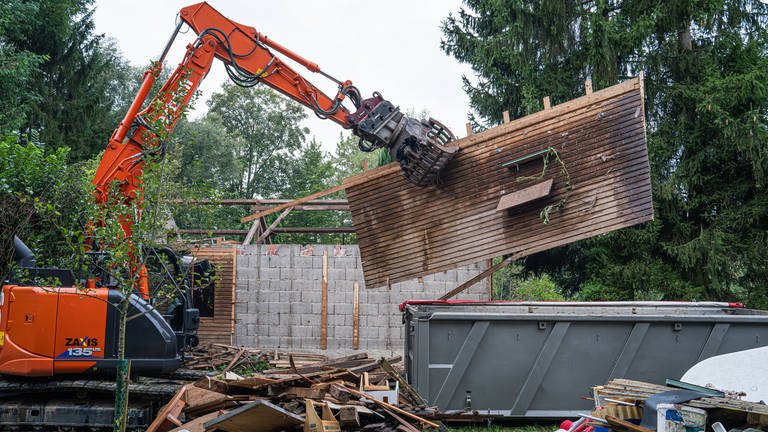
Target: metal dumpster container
(538,359)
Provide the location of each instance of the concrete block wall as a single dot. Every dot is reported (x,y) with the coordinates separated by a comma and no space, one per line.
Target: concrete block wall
(279,299)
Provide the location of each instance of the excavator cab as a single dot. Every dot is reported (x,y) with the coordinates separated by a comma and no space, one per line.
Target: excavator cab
(49,325)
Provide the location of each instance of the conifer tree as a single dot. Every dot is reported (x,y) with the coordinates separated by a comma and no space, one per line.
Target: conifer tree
(706,92)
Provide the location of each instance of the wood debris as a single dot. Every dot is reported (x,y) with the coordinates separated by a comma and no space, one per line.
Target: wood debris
(216,356)
(339,391)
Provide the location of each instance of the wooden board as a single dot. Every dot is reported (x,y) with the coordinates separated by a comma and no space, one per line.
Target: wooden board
(257,416)
(220,327)
(602,184)
(514,199)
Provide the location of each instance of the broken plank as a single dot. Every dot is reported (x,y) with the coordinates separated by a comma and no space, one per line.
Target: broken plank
(531,193)
(389,406)
(196,425)
(257,416)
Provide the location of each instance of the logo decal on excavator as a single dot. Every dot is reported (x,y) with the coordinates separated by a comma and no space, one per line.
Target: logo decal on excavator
(85,342)
(83,347)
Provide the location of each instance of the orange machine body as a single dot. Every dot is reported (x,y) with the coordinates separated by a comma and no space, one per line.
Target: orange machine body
(51,330)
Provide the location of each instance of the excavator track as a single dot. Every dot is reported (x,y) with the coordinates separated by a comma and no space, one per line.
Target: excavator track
(77,404)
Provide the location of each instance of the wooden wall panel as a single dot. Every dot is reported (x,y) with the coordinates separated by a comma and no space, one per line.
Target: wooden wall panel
(405,231)
(220,328)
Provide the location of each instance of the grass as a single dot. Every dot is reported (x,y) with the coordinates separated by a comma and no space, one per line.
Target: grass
(520,427)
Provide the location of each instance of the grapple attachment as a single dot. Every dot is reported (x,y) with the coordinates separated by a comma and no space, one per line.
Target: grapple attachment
(423,147)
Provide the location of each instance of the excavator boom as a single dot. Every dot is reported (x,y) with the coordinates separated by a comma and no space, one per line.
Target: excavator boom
(423,147)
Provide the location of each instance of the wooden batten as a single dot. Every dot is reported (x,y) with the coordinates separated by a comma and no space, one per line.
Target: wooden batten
(593,152)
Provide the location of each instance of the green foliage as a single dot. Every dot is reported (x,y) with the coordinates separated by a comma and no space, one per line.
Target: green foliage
(38,190)
(264,133)
(56,73)
(18,66)
(513,283)
(706,80)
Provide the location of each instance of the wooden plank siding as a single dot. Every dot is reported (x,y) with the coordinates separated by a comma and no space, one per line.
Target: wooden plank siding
(220,327)
(405,231)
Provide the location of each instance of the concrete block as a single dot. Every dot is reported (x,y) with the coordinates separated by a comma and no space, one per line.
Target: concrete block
(269,342)
(269,273)
(336,274)
(317,309)
(278,307)
(306,284)
(279,261)
(280,285)
(311,297)
(319,249)
(378,321)
(347,262)
(311,274)
(445,276)
(302,262)
(289,297)
(269,296)
(241,308)
(317,261)
(280,330)
(343,309)
(290,273)
(354,274)
(344,332)
(247,274)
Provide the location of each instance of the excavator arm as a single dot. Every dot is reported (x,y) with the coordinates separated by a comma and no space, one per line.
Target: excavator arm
(423,147)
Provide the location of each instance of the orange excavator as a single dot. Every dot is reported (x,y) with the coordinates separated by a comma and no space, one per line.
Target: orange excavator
(55,330)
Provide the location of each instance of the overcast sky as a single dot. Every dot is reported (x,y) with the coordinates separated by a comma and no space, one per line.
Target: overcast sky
(388,46)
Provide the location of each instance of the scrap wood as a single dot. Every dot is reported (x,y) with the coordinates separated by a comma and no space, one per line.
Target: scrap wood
(404,425)
(196,425)
(638,390)
(410,393)
(257,416)
(619,425)
(167,417)
(251,399)
(389,406)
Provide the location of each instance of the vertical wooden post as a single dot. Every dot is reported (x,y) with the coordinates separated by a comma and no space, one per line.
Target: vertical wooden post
(469,129)
(365,164)
(588,86)
(505,115)
(356,316)
(547,103)
(324,311)
(490,280)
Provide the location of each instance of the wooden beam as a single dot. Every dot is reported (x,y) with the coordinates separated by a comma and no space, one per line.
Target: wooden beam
(324,303)
(487,273)
(278,230)
(505,116)
(293,203)
(547,103)
(251,232)
(469,129)
(255,201)
(274,225)
(588,86)
(348,182)
(356,316)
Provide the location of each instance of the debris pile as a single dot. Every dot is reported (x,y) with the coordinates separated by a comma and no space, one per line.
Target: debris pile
(227,357)
(624,405)
(348,393)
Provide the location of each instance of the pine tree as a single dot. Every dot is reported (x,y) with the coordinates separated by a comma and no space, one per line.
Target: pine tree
(706,75)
